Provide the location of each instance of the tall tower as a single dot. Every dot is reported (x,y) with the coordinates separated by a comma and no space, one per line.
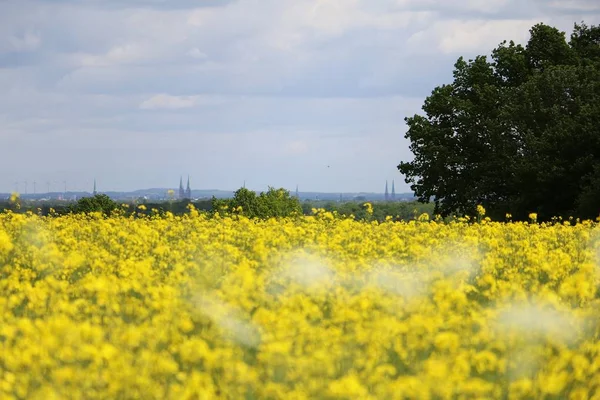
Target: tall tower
(297,195)
(188,190)
(387,194)
(393,191)
(181,191)
(95,192)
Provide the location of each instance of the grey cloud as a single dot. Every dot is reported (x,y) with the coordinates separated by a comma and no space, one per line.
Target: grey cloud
(502,9)
(361,63)
(18,59)
(207,114)
(115,4)
(590,7)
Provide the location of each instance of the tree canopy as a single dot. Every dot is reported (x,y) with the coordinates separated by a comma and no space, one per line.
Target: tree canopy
(273,203)
(517,132)
(98,203)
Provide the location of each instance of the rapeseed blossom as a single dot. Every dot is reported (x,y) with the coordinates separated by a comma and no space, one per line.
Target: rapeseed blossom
(185,307)
(480,210)
(15,200)
(533,217)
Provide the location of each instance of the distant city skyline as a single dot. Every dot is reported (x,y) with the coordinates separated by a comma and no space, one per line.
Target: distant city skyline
(169,193)
(63,186)
(273,92)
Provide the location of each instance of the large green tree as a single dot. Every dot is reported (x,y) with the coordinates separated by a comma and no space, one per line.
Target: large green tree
(518,132)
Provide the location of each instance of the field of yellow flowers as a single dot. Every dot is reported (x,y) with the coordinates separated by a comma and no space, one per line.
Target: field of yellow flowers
(196,307)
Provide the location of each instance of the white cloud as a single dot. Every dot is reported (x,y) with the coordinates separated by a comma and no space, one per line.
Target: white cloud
(457,37)
(296,147)
(29,41)
(468,36)
(165,101)
(484,6)
(580,5)
(198,17)
(335,17)
(487,6)
(118,55)
(197,54)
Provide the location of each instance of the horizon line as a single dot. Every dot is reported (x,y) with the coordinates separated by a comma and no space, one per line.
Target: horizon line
(200,190)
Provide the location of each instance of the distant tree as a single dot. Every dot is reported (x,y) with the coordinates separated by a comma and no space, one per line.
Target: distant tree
(98,203)
(248,200)
(242,197)
(278,203)
(518,133)
(273,203)
(307,207)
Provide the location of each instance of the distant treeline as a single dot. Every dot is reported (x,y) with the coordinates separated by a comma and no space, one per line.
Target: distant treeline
(271,203)
(399,210)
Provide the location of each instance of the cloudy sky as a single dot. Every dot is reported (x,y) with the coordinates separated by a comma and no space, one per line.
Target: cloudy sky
(138,92)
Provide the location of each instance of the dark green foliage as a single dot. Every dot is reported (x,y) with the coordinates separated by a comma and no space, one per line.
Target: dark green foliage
(273,203)
(398,210)
(98,203)
(285,206)
(58,208)
(178,207)
(517,133)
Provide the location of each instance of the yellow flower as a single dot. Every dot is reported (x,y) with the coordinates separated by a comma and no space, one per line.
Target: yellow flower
(5,243)
(480,210)
(224,306)
(533,217)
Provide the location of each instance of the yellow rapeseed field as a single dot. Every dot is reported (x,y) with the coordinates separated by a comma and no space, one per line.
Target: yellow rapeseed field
(315,307)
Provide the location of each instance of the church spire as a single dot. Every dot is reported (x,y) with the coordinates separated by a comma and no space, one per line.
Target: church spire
(188,190)
(393,191)
(387,194)
(297,195)
(181,191)
(95,192)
